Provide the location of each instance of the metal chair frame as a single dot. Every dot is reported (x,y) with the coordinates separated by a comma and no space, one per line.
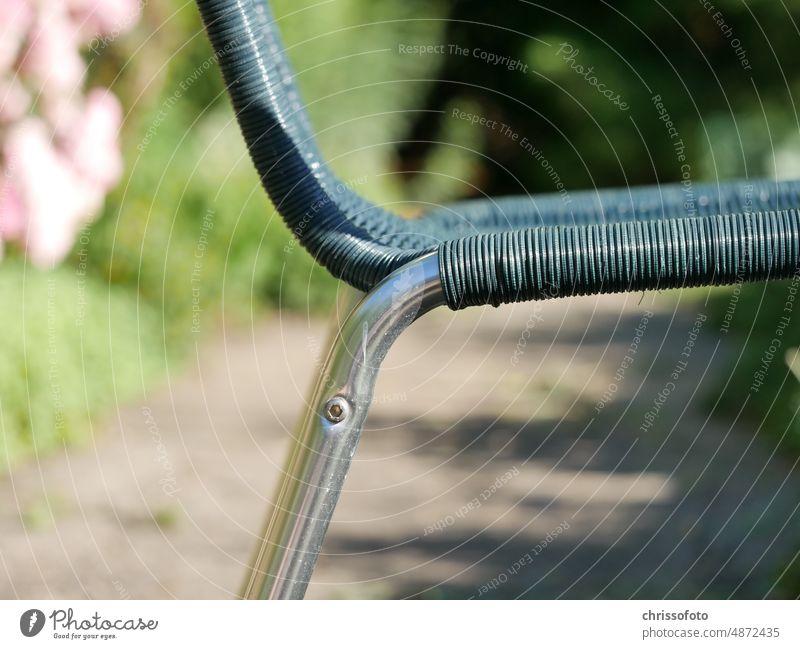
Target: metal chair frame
(480,252)
(330,430)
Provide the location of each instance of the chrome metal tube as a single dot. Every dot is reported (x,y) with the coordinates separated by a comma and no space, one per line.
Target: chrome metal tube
(324,447)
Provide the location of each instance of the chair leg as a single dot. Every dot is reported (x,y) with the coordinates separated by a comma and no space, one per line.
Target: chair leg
(330,431)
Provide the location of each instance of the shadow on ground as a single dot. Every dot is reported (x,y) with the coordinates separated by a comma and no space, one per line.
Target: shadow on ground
(511,452)
(600,504)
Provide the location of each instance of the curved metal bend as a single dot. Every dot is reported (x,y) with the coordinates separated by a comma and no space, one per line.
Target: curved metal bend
(330,431)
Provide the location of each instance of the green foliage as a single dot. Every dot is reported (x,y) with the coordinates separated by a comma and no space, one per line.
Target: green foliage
(72,347)
(787,581)
(735,116)
(191,230)
(762,385)
(188,237)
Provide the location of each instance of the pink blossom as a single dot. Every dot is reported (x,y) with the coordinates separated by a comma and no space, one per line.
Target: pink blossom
(52,60)
(12,211)
(57,164)
(92,144)
(55,198)
(104,17)
(15,17)
(14,99)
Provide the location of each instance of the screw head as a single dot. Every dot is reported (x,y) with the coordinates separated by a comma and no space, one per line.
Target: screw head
(336,410)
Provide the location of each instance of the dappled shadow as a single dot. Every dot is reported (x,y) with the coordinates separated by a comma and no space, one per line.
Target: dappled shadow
(600,507)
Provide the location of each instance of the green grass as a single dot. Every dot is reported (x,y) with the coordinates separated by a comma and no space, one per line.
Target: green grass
(72,347)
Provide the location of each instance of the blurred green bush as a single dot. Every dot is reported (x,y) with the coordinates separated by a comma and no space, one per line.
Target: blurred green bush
(762,384)
(191,231)
(72,347)
(189,238)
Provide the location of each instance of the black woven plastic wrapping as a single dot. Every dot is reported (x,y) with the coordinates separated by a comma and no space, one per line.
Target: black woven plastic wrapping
(555,261)
(502,250)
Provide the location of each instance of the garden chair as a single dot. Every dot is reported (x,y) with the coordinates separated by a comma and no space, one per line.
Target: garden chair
(467,254)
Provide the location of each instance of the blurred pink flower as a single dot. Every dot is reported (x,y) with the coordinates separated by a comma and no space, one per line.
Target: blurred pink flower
(104,17)
(57,165)
(56,199)
(15,17)
(12,212)
(92,144)
(52,60)
(14,99)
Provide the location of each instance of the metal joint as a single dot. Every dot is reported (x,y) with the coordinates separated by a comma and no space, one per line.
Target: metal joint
(331,429)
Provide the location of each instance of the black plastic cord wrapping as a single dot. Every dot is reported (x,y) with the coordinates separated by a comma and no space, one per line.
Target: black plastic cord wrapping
(557,261)
(494,250)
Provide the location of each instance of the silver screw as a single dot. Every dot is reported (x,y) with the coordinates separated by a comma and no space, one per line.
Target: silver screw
(336,410)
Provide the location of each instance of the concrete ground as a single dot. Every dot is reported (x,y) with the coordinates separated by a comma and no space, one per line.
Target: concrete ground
(510,452)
